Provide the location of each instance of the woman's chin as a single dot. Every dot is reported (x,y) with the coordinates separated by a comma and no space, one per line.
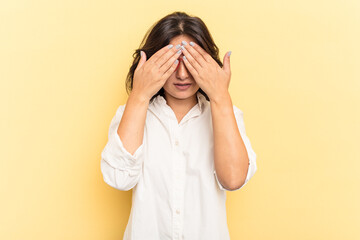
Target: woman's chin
(181,95)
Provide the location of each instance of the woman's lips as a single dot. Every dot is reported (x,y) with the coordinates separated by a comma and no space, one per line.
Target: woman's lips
(182,86)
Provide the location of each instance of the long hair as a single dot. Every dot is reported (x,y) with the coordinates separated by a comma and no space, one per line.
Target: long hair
(160,35)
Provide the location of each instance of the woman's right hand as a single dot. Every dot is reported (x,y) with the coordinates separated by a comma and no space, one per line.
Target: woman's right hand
(151,75)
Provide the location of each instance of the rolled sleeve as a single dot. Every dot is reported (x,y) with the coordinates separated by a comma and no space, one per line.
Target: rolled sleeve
(120,168)
(239,116)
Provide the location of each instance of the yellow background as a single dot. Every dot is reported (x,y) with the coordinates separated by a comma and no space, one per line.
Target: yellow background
(295,74)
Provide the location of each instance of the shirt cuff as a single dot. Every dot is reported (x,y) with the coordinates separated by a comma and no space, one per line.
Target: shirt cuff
(118,157)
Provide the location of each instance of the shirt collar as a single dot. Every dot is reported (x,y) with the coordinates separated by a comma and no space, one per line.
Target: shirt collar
(159,105)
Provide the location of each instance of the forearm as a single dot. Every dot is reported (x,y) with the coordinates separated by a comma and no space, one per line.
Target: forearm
(230,155)
(131,126)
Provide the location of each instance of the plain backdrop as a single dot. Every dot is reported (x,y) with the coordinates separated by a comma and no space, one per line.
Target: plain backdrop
(295,75)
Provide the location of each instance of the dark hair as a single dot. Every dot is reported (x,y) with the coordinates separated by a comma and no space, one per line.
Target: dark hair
(160,35)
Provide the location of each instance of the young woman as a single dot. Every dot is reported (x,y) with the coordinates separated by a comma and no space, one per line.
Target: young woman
(178,142)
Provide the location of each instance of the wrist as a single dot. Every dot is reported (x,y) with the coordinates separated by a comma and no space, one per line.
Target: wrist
(138,98)
(220,97)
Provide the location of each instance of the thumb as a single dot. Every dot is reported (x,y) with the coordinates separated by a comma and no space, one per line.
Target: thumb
(142,59)
(226,65)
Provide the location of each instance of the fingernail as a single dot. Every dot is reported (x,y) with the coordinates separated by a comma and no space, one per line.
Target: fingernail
(176,62)
(140,53)
(182,47)
(229,53)
(192,43)
(170,46)
(184,57)
(179,51)
(177,46)
(184,42)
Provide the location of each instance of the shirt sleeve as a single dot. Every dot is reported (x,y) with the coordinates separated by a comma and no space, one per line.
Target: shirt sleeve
(239,116)
(120,168)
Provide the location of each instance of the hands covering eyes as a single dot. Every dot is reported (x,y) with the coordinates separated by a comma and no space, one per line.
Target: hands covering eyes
(211,78)
(151,75)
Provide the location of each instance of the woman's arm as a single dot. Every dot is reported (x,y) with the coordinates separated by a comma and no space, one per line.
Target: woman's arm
(131,127)
(123,155)
(230,156)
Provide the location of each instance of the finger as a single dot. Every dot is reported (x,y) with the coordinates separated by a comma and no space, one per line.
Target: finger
(201,51)
(169,59)
(172,68)
(195,64)
(142,60)
(159,53)
(194,53)
(190,67)
(226,61)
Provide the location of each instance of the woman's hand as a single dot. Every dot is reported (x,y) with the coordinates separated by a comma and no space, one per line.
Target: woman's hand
(207,73)
(151,75)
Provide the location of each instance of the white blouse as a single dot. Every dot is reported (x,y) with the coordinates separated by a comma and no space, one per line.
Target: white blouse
(176,192)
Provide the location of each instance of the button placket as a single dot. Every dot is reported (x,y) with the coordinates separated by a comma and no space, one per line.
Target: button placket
(178,187)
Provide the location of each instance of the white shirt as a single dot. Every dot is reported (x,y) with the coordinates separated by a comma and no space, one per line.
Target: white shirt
(176,192)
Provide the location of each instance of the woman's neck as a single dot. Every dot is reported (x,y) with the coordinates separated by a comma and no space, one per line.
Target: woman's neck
(180,106)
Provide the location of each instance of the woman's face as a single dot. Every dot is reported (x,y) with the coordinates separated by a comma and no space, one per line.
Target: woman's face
(181,76)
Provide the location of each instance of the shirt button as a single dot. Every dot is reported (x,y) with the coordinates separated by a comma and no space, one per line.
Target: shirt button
(176,142)
(178,211)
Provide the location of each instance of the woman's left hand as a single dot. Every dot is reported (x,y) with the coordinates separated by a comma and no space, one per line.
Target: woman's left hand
(207,73)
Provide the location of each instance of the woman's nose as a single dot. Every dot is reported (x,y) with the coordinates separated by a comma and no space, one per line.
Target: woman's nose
(181,68)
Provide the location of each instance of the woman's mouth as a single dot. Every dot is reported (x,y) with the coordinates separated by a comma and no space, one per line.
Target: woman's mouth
(182,86)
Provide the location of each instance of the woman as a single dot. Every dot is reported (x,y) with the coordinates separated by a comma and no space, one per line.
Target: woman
(178,142)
